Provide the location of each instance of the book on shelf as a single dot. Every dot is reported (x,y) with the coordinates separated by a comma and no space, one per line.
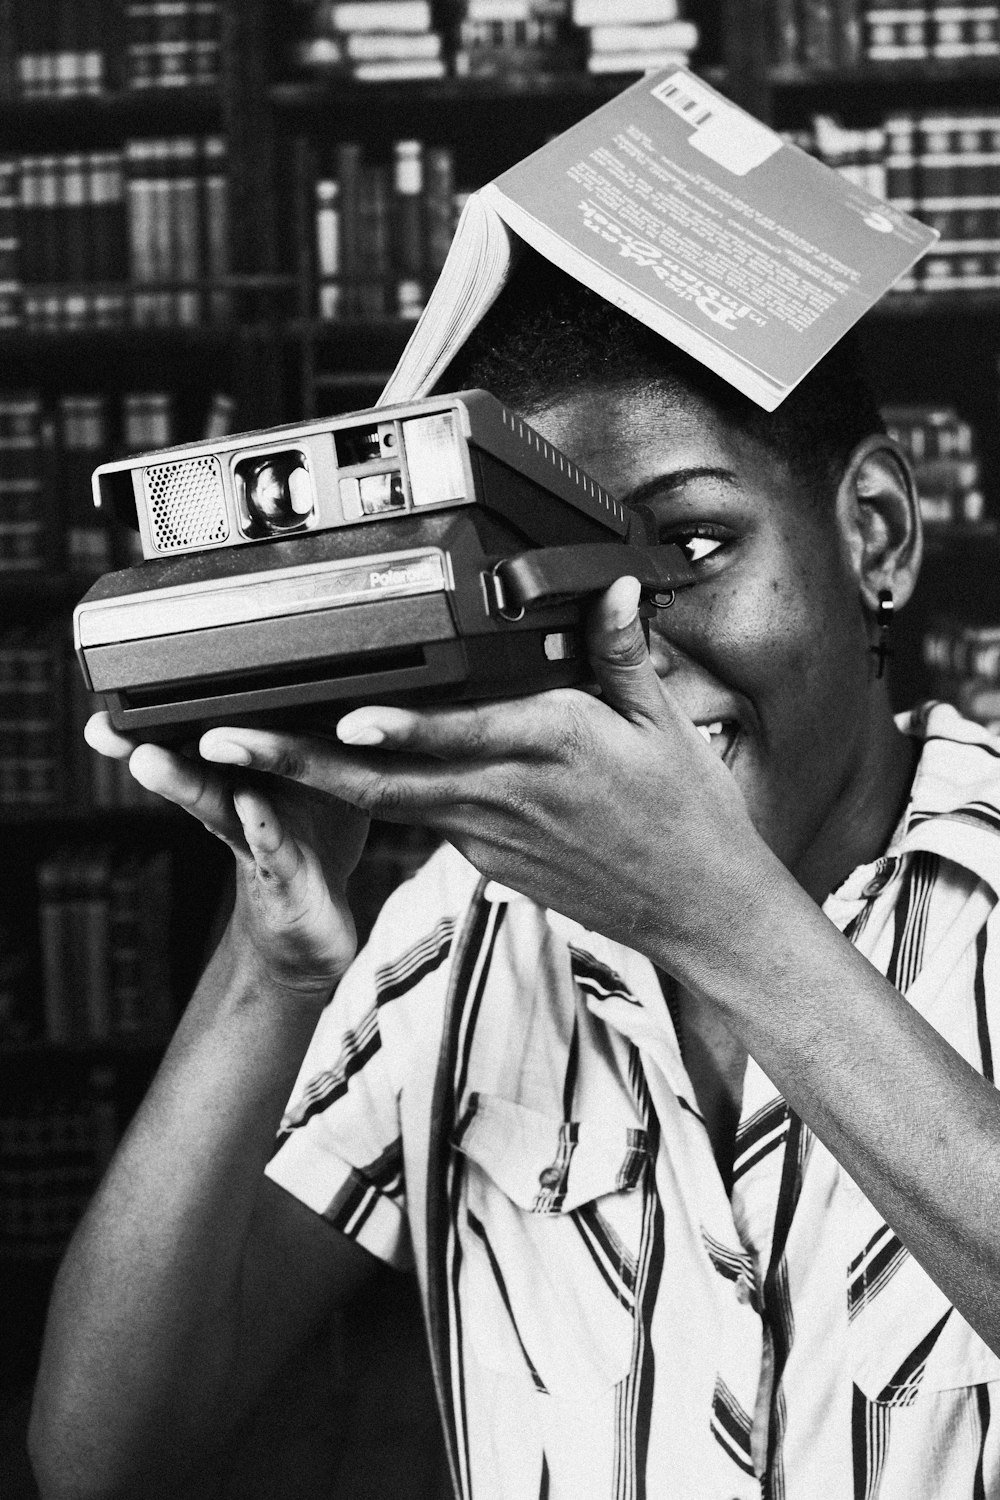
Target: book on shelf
(57,1135)
(175,193)
(947,467)
(104,935)
(944,168)
(382,229)
(59,48)
(638,47)
(819,34)
(32,708)
(171,44)
(624,12)
(692,216)
(27,533)
(372,41)
(909,33)
(104,239)
(82,441)
(516,49)
(963,663)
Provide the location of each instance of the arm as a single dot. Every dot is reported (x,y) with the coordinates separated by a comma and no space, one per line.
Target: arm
(621,818)
(191,1278)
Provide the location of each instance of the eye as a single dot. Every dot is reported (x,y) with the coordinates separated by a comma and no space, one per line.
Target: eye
(697,548)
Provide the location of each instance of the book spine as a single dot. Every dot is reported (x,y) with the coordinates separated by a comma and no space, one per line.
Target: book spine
(439,206)
(965,31)
(94,959)
(8,50)
(348,174)
(82,440)
(896,34)
(819,37)
(27,535)
(53,937)
(328,258)
(11,312)
(140,191)
(215,226)
(408,235)
(185,231)
(849,31)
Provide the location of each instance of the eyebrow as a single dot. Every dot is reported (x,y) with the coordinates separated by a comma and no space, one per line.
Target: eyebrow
(673,479)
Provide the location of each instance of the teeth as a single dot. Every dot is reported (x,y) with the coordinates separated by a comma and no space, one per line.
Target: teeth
(707,730)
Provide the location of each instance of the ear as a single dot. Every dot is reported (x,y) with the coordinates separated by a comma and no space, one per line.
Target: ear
(879,518)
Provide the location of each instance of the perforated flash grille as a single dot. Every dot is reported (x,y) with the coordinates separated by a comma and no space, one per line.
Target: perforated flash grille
(187,507)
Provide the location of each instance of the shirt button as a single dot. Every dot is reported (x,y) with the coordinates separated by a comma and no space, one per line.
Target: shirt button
(549,1177)
(744,1291)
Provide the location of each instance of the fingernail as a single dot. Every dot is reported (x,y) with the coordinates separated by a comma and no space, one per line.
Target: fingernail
(227,752)
(623,602)
(360,734)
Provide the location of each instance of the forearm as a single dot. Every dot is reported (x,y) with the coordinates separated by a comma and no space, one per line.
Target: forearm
(145,1327)
(915,1126)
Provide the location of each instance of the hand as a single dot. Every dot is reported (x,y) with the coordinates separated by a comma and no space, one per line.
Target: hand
(610,809)
(294,849)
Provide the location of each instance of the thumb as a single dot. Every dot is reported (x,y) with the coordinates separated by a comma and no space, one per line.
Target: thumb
(619,655)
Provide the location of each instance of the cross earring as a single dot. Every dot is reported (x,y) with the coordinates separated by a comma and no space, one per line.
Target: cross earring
(882,651)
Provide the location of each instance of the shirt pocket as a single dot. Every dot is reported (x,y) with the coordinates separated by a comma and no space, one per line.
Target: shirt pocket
(906,1340)
(552,1223)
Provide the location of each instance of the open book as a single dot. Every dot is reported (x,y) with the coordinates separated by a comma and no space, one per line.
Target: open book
(685,211)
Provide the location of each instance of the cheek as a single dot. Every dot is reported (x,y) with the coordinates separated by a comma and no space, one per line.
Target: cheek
(788,640)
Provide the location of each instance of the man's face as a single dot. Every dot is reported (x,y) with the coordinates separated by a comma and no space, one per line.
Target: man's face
(768,651)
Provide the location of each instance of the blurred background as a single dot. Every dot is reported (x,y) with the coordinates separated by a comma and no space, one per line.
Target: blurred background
(223,214)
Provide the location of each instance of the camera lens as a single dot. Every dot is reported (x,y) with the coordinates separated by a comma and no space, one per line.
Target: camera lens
(278,491)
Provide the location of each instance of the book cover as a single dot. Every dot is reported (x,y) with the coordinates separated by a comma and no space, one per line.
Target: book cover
(682,209)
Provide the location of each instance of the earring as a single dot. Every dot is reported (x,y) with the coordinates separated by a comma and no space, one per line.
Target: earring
(882,651)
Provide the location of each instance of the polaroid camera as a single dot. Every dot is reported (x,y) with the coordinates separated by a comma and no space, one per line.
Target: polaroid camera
(435,550)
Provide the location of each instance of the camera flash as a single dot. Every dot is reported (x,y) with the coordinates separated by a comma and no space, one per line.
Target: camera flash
(434,459)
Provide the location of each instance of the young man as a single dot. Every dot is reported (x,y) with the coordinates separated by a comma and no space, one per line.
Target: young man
(666,1072)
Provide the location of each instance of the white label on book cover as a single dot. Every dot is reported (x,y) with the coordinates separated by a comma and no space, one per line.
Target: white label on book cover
(731,137)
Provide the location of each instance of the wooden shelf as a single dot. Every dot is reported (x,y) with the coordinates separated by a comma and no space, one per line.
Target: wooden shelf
(918,304)
(949,542)
(919,74)
(42,588)
(344,96)
(162,110)
(100,1053)
(109,822)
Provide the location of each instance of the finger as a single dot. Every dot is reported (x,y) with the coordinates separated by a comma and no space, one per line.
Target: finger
(101,735)
(276,854)
(385,784)
(619,655)
(191,787)
(481,731)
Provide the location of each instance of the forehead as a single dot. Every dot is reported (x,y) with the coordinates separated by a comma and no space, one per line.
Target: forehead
(625,436)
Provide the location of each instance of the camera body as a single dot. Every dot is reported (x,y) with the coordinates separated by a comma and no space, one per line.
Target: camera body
(438,549)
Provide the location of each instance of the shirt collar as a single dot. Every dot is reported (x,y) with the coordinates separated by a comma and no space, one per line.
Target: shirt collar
(953,808)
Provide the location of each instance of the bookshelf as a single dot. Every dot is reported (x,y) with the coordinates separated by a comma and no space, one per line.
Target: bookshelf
(248,329)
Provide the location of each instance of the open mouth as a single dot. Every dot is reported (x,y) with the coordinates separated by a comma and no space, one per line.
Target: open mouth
(721,735)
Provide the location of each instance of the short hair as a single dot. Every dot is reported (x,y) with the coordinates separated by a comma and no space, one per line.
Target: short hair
(547,336)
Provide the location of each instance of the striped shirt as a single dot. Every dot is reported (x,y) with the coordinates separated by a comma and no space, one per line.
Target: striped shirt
(496,1096)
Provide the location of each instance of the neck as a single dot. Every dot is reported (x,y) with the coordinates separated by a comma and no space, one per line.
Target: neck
(861,823)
